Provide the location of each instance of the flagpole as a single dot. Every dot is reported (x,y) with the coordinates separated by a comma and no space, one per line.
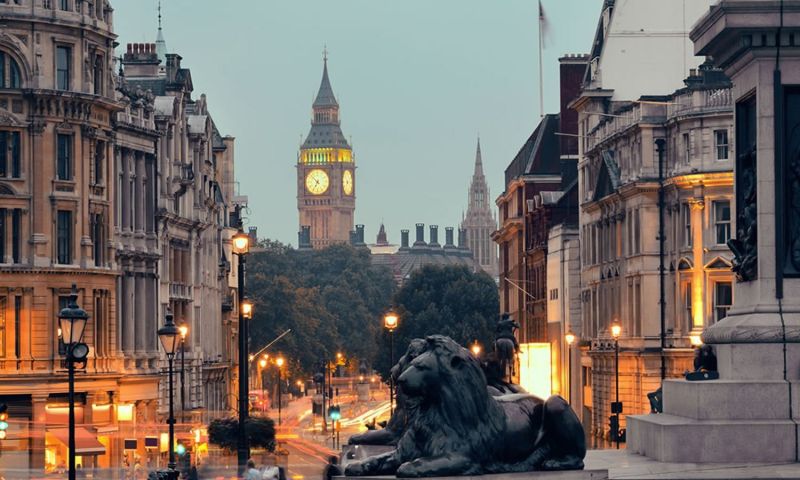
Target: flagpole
(541,76)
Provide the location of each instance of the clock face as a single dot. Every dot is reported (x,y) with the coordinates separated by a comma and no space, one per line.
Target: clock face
(317,181)
(347,182)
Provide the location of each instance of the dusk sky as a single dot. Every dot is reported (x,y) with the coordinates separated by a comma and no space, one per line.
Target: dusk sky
(416,80)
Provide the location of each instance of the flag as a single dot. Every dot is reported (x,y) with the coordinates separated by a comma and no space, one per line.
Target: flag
(544,24)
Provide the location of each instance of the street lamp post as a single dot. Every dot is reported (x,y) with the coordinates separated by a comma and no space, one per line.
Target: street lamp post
(184,330)
(570,339)
(240,247)
(390,321)
(263,364)
(168,334)
(616,408)
(279,363)
(72,321)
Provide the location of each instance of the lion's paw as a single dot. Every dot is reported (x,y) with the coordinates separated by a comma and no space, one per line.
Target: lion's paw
(409,469)
(355,469)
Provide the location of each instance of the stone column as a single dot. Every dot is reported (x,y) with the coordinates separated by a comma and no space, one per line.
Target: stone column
(37,430)
(125,195)
(138,206)
(128,319)
(698,273)
(141,313)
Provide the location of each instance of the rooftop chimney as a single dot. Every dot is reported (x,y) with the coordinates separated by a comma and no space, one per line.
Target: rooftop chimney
(434,243)
(403,239)
(140,60)
(420,241)
(353,237)
(448,238)
(173,65)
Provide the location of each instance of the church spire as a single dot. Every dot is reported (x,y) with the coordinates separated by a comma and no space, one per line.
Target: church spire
(478,160)
(325,97)
(161,44)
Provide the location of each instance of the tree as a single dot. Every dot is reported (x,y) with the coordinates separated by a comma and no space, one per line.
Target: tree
(448,300)
(332,299)
(260,431)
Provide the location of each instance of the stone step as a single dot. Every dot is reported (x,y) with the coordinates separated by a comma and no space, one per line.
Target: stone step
(671,438)
(727,399)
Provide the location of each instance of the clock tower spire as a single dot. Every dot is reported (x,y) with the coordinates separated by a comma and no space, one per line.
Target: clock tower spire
(326,172)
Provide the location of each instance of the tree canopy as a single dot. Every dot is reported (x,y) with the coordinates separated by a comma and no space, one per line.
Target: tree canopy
(333,300)
(448,300)
(260,433)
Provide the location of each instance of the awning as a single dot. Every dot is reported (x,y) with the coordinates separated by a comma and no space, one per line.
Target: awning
(85,442)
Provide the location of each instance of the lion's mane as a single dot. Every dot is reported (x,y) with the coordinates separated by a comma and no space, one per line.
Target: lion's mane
(457,415)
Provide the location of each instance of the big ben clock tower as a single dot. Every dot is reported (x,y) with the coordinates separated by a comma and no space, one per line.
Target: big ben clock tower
(326,173)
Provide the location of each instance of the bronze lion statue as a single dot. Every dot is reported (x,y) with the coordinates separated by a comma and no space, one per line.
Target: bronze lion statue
(458,428)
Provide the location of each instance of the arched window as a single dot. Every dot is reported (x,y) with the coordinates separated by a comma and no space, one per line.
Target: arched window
(10,74)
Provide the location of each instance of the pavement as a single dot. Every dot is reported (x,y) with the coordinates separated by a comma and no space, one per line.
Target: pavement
(623,465)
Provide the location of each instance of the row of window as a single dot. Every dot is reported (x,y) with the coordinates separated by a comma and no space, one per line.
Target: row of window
(11,75)
(721,212)
(723,300)
(5,323)
(721,145)
(11,161)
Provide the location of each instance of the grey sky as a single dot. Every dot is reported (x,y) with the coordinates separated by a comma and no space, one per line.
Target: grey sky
(417,81)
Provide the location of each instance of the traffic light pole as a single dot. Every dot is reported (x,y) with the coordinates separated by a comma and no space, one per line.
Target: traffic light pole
(616,389)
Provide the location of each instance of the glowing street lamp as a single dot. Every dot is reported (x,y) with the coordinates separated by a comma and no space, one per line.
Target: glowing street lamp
(569,337)
(72,321)
(184,330)
(279,362)
(390,321)
(616,407)
(247,309)
(240,245)
(168,334)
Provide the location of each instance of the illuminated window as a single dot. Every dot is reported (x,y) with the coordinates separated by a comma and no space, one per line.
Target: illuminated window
(721,144)
(722,221)
(723,299)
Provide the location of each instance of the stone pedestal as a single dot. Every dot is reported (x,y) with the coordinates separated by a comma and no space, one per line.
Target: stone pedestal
(750,414)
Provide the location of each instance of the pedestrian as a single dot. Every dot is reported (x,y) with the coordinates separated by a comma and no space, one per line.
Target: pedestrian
(252,472)
(332,469)
(270,471)
(193,473)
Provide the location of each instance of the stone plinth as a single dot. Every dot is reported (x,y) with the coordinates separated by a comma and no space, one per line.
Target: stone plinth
(564,475)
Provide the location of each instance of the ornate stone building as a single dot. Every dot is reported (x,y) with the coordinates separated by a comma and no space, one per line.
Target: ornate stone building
(195,200)
(479,222)
(57,193)
(621,170)
(123,186)
(326,173)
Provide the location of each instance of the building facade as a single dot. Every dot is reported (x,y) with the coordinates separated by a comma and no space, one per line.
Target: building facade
(120,184)
(326,173)
(479,222)
(630,148)
(57,104)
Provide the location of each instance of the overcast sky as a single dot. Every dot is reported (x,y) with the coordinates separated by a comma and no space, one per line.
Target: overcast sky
(416,80)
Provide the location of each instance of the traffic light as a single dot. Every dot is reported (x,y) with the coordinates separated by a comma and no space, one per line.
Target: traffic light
(613,423)
(334,413)
(3,420)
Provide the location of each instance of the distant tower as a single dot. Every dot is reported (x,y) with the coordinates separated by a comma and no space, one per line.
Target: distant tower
(326,173)
(479,222)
